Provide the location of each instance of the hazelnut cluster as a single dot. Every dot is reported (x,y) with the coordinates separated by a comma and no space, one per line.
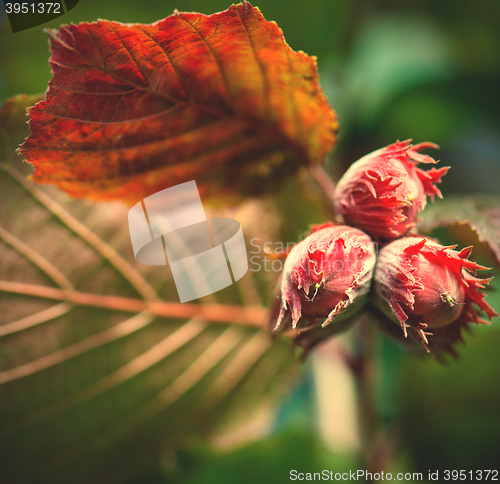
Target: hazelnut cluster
(413,281)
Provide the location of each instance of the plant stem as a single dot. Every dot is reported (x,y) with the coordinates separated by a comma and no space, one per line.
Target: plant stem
(324,181)
(366,376)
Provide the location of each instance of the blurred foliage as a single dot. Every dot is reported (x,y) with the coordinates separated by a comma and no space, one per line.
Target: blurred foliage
(270,460)
(392,70)
(450,413)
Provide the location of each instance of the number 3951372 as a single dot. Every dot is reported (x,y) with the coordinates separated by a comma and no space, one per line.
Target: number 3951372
(35,7)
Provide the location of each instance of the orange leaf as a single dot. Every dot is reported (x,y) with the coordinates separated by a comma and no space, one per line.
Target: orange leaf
(132,108)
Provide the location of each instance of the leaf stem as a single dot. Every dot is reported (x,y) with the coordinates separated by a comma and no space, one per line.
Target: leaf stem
(216,313)
(324,181)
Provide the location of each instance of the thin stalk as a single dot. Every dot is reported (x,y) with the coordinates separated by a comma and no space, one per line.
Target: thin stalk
(325,183)
(365,372)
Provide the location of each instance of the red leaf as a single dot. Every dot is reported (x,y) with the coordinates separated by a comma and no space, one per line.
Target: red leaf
(135,108)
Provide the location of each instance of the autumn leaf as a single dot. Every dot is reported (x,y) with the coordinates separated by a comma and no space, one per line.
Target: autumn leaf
(132,108)
(102,370)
